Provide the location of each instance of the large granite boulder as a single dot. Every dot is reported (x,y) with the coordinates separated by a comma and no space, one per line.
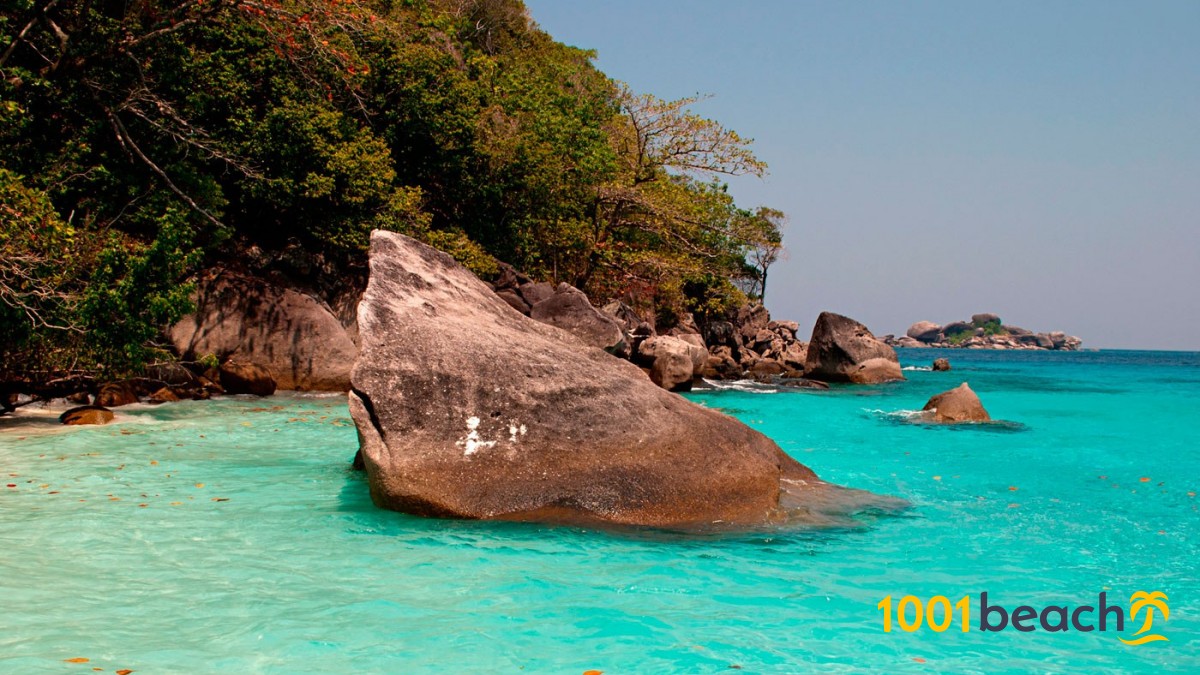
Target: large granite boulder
(957,405)
(843,350)
(924,331)
(570,310)
(292,334)
(467,409)
(981,320)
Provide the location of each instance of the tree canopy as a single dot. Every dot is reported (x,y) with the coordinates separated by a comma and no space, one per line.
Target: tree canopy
(148,139)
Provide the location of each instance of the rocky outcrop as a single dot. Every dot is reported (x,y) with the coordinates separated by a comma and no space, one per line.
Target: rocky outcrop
(568,308)
(673,361)
(86,414)
(957,405)
(238,377)
(924,331)
(290,333)
(844,350)
(467,409)
(941,365)
(984,331)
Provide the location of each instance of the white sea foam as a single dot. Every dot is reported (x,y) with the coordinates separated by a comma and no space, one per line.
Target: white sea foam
(748,386)
(926,368)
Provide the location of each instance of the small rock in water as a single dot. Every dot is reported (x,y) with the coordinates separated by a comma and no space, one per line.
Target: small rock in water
(941,364)
(86,414)
(957,405)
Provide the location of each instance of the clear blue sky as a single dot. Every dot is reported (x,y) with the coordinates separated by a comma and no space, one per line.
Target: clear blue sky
(1040,160)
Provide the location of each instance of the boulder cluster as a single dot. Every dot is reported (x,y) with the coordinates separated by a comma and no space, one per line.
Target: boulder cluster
(746,344)
(983,331)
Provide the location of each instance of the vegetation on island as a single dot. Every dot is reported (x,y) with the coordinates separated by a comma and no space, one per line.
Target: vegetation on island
(148,139)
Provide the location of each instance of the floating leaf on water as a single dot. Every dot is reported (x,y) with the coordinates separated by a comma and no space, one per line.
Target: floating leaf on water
(1012,488)
(77,659)
(176,503)
(918,659)
(199,485)
(124,671)
(220,499)
(593,672)
(154,462)
(937,477)
(1013,505)
(1144,479)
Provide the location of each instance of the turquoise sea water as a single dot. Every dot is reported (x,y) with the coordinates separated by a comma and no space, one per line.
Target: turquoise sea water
(113,546)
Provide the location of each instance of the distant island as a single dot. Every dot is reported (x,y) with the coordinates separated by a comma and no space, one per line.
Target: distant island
(983,331)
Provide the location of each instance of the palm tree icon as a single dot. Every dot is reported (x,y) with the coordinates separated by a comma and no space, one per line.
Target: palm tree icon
(1142,600)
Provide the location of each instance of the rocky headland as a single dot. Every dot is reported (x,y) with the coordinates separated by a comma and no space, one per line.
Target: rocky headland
(983,331)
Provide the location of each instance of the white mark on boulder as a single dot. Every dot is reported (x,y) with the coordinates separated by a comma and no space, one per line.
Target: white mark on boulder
(514,430)
(471,443)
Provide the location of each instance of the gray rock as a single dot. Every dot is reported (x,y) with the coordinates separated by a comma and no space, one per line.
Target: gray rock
(514,300)
(843,350)
(750,319)
(984,319)
(570,310)
(924,331)
(466,409)
(624,315)
(292,334)
(533,293)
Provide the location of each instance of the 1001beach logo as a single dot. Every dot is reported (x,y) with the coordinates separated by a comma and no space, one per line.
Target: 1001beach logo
(938,614)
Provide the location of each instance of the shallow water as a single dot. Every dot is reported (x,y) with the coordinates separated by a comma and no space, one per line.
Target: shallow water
(115,548)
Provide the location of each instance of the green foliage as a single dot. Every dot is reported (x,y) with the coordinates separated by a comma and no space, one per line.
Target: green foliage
(134,290)
(161,136)
(960,337)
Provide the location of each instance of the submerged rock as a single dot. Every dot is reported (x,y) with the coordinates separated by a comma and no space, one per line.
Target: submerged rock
(467,409)
(957,405)
(843,350)
(86,414)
